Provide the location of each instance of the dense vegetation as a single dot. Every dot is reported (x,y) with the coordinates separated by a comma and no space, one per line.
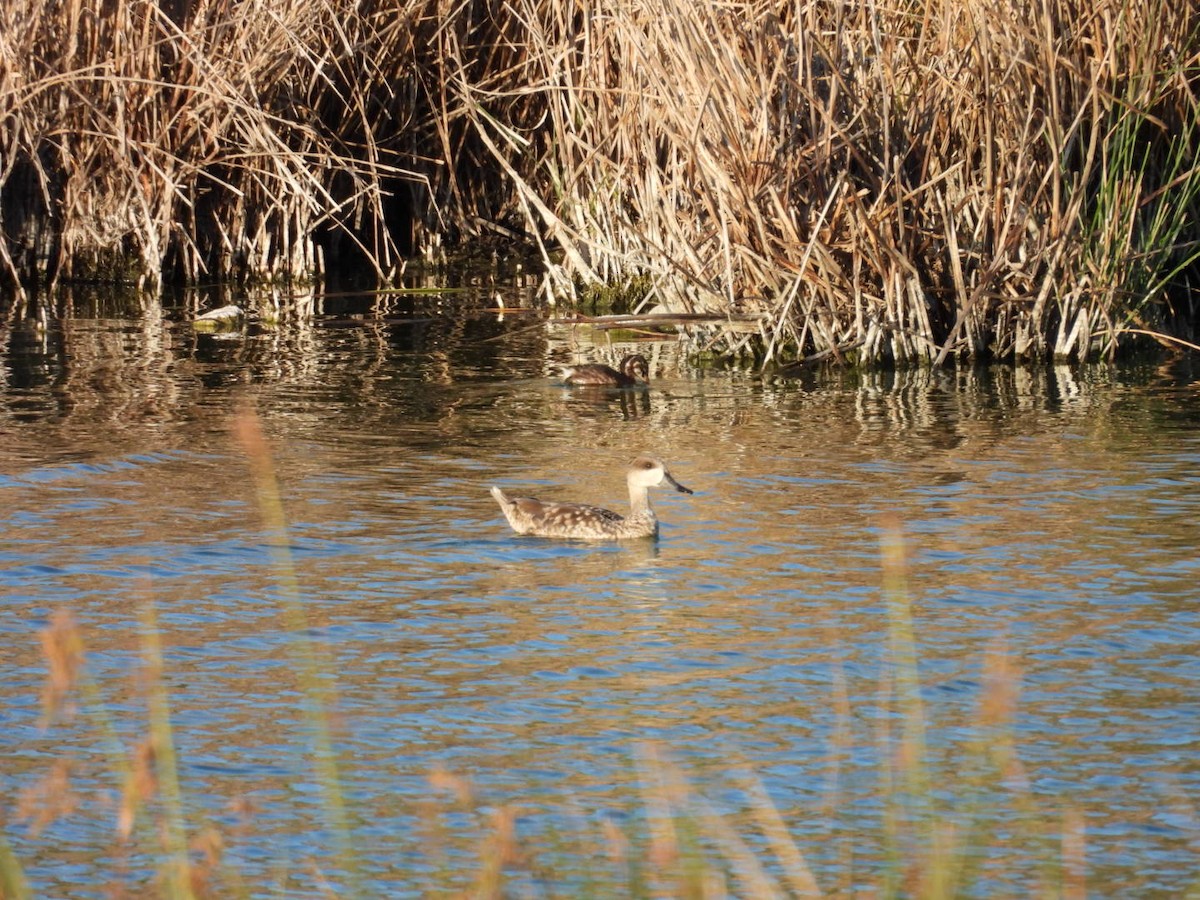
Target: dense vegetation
(882,180)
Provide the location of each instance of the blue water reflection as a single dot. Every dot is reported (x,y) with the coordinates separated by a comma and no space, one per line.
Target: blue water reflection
(753,635)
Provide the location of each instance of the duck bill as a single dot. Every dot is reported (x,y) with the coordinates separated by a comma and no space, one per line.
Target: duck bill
(679,487)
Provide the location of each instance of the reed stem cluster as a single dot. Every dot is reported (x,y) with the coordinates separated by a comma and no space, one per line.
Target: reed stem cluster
(880,181)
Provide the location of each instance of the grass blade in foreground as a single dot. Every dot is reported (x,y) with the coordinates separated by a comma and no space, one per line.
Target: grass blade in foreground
(315,667)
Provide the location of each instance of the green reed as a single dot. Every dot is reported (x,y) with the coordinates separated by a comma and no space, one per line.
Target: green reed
(12,874)
(151,813)
(177,883)
(1141,199)
(143,778)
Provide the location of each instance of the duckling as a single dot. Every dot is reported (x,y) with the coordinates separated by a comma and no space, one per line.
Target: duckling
(634,371)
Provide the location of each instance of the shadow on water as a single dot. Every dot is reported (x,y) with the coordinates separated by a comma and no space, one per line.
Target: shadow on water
(1052,507)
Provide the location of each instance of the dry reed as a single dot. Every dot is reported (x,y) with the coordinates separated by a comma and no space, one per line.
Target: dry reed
(867,180)
(890,180)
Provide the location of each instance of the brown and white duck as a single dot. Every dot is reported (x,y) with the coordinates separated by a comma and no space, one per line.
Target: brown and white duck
(593,523)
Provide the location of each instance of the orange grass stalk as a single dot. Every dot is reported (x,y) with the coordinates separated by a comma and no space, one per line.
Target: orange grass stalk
(315,665)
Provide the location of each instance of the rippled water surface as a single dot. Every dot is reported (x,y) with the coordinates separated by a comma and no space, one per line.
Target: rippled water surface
(1049,515)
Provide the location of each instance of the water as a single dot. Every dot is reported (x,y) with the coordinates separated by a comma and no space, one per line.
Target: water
(1049,517)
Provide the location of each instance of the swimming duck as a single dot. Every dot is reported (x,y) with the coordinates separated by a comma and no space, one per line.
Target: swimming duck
(634,371)
(576,520)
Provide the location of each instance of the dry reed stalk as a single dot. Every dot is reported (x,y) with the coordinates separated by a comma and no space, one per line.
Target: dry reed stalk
(202,138)
(314,662)
(877,180)
(705,145)
(62,646)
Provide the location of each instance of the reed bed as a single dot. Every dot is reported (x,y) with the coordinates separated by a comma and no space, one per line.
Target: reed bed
(199,140)
(866,181)
(895,181)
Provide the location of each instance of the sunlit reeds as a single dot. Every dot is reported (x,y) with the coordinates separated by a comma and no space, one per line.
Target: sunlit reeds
(869,181)
(877,181)
(198,139)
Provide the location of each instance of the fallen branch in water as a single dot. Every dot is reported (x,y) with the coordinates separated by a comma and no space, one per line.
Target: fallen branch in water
(1167,340)
(657,320)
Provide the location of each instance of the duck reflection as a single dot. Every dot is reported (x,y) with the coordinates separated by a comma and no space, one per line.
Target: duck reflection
(633,404)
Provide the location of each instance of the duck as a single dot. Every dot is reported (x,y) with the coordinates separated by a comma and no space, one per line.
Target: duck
(579,521)
(634,371)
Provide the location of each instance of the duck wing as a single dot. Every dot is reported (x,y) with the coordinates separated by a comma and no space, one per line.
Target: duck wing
(593,373)
(578,511)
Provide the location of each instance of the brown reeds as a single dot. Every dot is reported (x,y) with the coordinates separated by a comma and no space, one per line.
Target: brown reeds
(202,138)
(866,181)
(888,180)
